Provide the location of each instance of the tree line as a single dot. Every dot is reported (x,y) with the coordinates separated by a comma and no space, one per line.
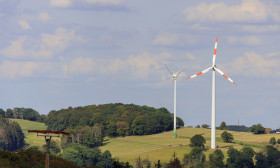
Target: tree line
(22,113)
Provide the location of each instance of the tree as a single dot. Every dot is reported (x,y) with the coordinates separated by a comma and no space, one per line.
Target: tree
(257,129)
(175,162)
(216,159)
(198,126)
(122,128)
(9,113)
(278,141)
(197,141)
(227,137)
(139,163)
(195,158)
(272,141)
(240,159)
(223,126)
(205,126)
(2,113)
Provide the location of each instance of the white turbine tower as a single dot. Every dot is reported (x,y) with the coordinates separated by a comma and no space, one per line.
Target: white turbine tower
(214,68)
(174,78)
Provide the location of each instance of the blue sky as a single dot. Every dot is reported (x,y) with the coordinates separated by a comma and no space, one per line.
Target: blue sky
(60,53)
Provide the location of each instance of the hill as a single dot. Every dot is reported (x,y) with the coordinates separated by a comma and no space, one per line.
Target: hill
(162,146)
(31,138)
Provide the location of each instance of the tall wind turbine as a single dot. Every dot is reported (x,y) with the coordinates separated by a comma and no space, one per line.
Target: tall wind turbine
(214,69)
(174,78)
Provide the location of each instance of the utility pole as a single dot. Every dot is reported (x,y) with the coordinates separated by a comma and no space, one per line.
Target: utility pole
(48,134)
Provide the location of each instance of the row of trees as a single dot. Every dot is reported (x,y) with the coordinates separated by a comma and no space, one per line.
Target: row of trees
(22,113)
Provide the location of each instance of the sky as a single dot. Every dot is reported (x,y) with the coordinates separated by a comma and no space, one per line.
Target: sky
(60,53)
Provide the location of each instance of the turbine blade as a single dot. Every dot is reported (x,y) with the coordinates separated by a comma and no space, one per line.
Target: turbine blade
(177,73)
(168,69)
(223,74)
(199,73)
(215,50)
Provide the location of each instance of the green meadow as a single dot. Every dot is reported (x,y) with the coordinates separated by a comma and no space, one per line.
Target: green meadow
(162,146)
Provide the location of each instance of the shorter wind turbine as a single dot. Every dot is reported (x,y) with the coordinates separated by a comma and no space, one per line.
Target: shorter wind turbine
(174,78)
(214,69)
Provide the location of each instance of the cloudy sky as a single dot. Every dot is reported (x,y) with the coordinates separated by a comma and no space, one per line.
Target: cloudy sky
(60,53)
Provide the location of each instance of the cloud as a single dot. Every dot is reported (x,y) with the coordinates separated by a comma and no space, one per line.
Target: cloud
(45,48)
(24,25)
(260,28)
(141,66)
(105,2)
(71,3)
(190,56)
(15,69)
(15,49)
(252,64)
(247,11)
(245,40)
(61,3)
(60,40)
(43,17)
(78,66)
(165,39)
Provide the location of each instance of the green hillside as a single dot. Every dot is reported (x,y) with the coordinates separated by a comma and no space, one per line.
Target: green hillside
(162,146)
(31,138)
(158,146)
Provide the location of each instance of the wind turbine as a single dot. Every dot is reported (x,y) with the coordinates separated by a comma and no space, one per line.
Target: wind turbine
(214,68)
(174,78)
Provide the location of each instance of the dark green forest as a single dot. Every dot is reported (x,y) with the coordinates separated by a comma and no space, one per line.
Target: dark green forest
(11,135)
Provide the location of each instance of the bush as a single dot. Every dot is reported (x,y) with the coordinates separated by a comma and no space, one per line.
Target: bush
(272,141)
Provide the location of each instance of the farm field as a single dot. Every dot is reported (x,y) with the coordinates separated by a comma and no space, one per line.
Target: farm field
(162,146)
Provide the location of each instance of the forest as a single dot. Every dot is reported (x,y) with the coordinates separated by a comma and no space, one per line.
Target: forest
(11,135)
(89,124)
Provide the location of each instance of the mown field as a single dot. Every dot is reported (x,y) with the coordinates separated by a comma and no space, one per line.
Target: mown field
(162,146)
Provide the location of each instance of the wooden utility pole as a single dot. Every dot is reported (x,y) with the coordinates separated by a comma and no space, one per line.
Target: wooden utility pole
(48,134)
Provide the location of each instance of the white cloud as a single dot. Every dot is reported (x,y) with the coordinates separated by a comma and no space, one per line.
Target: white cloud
(139,66)
(247,11)
(190,56)
(43,17)
(24,25)
(45,48)
(15,69)
(166,39)
(260,28)
(15,49)
(70,3)
(105,2)
(60,40)
(245,40)
(78,66)
(61,3)
(252,64)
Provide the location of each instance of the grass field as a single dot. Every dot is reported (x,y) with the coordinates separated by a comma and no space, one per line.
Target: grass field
(162,146)
(158,146)
(31,138)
